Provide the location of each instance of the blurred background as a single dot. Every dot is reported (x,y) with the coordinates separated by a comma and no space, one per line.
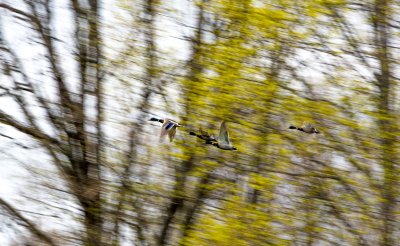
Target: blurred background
(81,164)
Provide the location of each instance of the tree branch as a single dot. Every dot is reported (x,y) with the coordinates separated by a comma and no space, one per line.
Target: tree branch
(29,224)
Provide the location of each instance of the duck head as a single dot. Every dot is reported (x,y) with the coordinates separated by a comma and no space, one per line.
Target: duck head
(158,120)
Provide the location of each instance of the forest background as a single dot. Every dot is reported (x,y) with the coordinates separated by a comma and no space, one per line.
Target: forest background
(82,165)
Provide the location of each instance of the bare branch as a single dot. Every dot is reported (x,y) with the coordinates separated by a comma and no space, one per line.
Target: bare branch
(27,223)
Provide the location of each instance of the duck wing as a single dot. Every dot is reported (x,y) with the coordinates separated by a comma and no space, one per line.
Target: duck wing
(307,127)
(206,135)
(223,138)
(171,133)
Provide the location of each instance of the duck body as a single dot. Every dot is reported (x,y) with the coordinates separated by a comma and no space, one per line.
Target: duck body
(224,146)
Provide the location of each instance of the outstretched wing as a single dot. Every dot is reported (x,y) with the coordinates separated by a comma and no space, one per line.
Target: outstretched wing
(223,137)
(203,133)
(206,135)
(171,133)
(307,127)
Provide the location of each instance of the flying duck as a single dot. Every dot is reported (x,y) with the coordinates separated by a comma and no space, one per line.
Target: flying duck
(168,127)
(223,141)
(209,139)
(307,128)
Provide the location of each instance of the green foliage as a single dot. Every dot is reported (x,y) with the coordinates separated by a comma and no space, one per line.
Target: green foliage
(261,66)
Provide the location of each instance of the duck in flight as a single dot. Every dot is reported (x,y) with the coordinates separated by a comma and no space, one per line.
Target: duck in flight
(209,139)
(223,141)
(307,128)
(168,127)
